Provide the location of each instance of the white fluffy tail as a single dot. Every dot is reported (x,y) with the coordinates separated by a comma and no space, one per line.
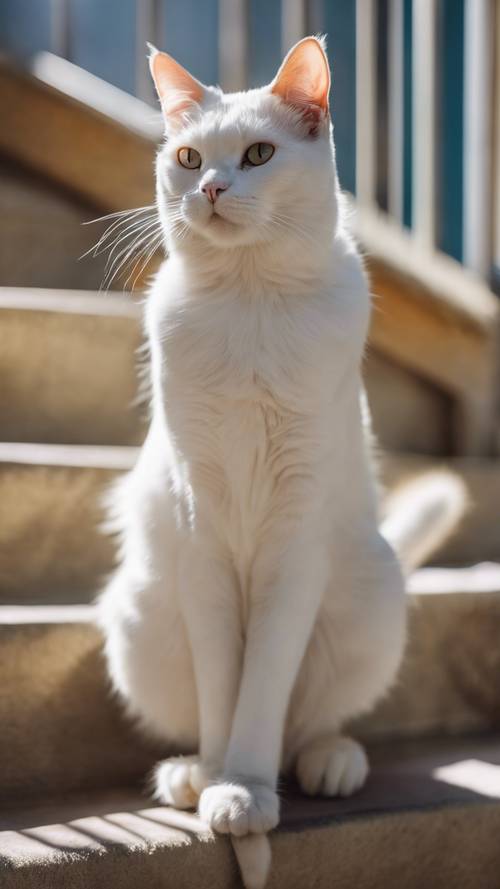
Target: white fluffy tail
(422,513)
(253,853)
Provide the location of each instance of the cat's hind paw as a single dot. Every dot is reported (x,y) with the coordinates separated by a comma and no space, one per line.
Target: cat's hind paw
(178,781)
(239,809)
(337,767)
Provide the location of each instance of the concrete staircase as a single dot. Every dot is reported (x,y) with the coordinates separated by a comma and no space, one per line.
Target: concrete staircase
(72,776)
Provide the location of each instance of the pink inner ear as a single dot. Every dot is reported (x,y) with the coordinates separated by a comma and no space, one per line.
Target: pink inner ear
(176,87)
(304,77)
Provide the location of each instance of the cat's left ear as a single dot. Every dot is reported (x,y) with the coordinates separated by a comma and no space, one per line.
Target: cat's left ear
(177,89)
(303,80)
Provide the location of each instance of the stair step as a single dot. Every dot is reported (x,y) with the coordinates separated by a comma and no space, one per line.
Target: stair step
(50,511)
(69,367)
(54,684)
(448,681)
(429,813)
(52,494)
(52,676)
(51,221)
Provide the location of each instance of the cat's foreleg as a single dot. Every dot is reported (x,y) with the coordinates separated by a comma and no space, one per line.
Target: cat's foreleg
(352,660)
(287,587)
(208,600)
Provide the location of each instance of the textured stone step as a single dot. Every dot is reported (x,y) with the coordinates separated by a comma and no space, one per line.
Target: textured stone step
(429,815)
(52,679)
(61,727)
(51,549)
(68,365)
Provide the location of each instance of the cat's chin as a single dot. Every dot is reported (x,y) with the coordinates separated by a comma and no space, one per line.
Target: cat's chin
(223,232)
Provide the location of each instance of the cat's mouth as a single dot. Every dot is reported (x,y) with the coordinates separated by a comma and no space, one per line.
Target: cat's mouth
(217,219)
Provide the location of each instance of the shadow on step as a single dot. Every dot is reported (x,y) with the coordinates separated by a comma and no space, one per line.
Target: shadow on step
(410,775)
(405,776)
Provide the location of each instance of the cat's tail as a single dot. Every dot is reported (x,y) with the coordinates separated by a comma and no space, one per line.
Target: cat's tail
(422,513)
(253,854)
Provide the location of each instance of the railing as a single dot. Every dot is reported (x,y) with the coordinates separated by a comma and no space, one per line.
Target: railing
(416,89)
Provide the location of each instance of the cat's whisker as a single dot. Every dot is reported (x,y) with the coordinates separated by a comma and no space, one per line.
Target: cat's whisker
(122,217)
(124,224)
(175,216)
(292,228)
(132,212)
(143,259)
(121,239)
(123,257)
(115,271)
(132,232)
(116,228)
(135,232)
(121,260)
(145,263)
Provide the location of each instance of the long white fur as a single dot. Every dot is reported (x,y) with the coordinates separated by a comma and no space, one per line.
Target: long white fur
(256,606)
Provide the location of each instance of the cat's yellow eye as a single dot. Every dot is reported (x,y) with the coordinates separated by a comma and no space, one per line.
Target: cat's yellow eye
(189,158)
(258,154)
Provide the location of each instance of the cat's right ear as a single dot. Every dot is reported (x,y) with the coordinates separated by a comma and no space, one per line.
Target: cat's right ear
(303,81)
(177,89)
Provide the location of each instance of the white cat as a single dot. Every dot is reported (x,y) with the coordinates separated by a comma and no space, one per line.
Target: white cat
(256,607)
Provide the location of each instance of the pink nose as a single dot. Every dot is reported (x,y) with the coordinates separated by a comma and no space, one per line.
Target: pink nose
(214,189)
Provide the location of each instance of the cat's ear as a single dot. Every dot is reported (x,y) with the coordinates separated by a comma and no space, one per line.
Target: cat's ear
(177,89)
(303,80)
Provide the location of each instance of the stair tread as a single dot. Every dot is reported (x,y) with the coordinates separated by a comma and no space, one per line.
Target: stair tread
(46,614)
(70,362)
(116,457)
(80,302)
(441,778)
(52,673)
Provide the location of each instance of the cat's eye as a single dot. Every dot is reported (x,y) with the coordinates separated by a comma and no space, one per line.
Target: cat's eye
(189,158)
(258,154)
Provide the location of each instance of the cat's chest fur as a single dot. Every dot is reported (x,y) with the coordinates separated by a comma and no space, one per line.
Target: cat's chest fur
(234,353)
(243,384)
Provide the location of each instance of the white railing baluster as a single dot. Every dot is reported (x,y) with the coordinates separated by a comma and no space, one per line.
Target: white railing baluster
(233,31)
(147,30)
(60,28)
(396,109)
(293,23)
(366,99)
(424,121)
(478,134)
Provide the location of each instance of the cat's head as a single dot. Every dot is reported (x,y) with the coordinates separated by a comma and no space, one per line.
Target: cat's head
(243,168)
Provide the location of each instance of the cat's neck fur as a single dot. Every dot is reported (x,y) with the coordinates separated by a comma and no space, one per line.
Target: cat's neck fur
(256,269)
(294,262)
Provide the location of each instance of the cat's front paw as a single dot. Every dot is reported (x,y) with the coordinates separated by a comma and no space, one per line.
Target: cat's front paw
(179,780)
(239,808)
(337,767)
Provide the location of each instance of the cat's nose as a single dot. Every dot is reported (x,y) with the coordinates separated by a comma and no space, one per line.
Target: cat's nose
(213,189)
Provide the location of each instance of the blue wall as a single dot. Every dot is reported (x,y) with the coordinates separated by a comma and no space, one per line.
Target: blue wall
(264,40)
(450,159)
(25,26)
(339,24)
(190,33)
(102,39)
